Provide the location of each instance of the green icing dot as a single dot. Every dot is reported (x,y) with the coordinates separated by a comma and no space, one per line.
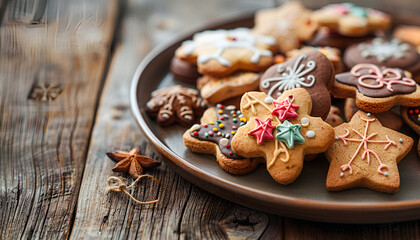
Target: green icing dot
(206,135)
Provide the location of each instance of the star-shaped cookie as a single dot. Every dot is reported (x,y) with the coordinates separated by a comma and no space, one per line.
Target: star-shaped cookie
(283,163)
(365,154)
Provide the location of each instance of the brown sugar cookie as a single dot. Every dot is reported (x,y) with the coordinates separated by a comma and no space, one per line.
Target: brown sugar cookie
(333,117)
(388,119)
(281,132)
(326,37)
(351,20)
(175,104)
(365,154)
(289,24)
(310,70)
(382,52)
(409,34)
(221,52)
(333,54)
(214,135)
(411,116)
(217,89)
(377,89)
(184,71)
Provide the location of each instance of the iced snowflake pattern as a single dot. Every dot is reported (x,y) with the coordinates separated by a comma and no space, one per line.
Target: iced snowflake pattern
(383,50)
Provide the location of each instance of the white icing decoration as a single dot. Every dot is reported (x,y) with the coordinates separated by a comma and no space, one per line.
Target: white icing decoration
(227,135)
(187,116)
(150,105)
(369,114)
(195,127)
(221,40)
(310,134)
(231,107)
(304,122)
(383,50)
(268,100)
(165,115)
(400,140)
(293,78)
(223,141)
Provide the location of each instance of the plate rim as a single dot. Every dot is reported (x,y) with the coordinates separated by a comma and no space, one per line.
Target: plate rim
(286,201)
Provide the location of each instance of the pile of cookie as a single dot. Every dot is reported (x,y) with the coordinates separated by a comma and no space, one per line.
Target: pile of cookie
(268,93)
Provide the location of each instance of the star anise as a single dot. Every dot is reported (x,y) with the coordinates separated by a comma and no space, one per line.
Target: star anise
(131,162)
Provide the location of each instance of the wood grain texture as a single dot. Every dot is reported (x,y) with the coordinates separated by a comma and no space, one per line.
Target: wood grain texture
(43,144)
(184,211)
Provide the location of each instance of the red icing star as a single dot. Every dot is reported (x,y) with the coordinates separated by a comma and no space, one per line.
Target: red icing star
(285,110)
(263,130)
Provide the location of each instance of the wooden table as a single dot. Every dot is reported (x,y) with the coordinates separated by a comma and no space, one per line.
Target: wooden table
(65,69)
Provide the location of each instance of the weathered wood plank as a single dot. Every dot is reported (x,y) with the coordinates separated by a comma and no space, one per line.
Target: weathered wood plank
(299,229)
(184,210)
(51,66)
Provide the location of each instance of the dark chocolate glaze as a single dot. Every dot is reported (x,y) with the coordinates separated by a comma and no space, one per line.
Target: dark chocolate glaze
(348,79)
(226,117)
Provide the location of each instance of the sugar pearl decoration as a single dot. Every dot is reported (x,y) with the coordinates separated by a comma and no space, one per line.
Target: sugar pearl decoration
(400,140)
(224,141)
(268,100)
(195,127)
(304,122)
(310,134)
(369,114)
(230,107)
(386,174)
(341,174)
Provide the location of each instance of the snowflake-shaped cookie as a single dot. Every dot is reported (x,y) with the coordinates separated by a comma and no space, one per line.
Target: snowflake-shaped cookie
(294,138)
(365,154)
(221,52)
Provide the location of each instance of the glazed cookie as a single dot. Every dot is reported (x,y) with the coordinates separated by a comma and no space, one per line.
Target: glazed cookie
(377,89)
(217,89)
(289,24)
(388,119)
(409,34)
(381,52)
(311,70)
(214,136)
(221,52)
(175,104)
(281,132)
(411,116)
(184,71)
(333,54)
(333,117)
(365,154)
(351,20)
(326,37)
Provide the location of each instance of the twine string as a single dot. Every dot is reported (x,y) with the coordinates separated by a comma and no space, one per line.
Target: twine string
(122,187)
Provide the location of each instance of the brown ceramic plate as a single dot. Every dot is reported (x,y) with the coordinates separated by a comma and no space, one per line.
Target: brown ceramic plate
(306,198)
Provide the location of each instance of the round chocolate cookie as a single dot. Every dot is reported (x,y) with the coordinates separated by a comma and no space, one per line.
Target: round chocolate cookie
(325,37)
(184,71)
(389,53)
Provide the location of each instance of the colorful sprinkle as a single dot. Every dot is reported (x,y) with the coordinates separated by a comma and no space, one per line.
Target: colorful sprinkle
(227,145)
(219,134)
(215,129)
(234,127)
(233,115)
(206,134)
(222,118)
(230,153)
(205,125)
(221,125)
(210,133)
(211,123)
(235,120)
(410,111)
(220,111)
(195,133)
(243,119)
(233,132)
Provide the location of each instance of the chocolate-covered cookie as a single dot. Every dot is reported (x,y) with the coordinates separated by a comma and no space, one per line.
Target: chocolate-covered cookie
(411,116)
(311,71)
(377,89)
(184,71)
(389,53)
(175,104)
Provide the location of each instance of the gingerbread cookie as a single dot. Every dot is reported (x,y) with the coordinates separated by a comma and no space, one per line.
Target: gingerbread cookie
(388,119)
(311,70)
(409,34)
(326,37)
(281,132)
(175,104)
(221,52)
(289,24)
(351,20)
(377,89)
(184,71)
(365,154)
(333,117)
(214,136)
(411,116)
(333,54)
(215,90)
(389,53)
